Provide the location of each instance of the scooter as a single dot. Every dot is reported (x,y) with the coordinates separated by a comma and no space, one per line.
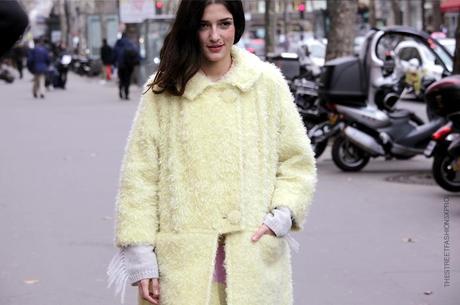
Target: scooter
(365,130)
(368,132)
(444,98)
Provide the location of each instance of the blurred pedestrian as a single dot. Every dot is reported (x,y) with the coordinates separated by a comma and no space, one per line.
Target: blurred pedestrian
(62,62)
(17,55)
(126,58)
(13,22)
(107,59)
(217,169)
(38,61)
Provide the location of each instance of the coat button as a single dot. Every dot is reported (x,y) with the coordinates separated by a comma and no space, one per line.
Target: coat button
(234,217)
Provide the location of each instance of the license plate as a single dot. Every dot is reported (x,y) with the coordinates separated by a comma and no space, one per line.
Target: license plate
(429,148)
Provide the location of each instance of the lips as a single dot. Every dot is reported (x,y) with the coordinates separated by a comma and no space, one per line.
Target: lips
(215,48)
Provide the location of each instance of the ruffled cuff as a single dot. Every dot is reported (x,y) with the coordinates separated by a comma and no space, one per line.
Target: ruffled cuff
(130,265)
(279,221)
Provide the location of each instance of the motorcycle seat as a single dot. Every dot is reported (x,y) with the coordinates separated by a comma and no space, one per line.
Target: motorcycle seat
(399,114)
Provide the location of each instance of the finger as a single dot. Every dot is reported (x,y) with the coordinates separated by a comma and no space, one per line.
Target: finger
(260,231)
(144,292)
(156,288)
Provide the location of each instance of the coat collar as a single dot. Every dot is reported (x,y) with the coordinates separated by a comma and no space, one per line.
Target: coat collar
(245,71)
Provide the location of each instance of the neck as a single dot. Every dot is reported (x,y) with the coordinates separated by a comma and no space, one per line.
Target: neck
(214,70)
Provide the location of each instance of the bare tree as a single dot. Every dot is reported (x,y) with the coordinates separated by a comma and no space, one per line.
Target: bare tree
(457,49)
(396,8)
(342,28)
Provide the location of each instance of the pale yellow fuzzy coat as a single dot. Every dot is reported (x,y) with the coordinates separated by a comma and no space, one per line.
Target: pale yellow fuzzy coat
(215,161)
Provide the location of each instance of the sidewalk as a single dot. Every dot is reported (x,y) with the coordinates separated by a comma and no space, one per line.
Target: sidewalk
(370,238)
(59,168)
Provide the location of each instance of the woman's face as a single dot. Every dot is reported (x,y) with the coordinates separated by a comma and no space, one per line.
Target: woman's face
(216,34)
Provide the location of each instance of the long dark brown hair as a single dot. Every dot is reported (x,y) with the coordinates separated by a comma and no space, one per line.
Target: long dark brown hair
(180,56)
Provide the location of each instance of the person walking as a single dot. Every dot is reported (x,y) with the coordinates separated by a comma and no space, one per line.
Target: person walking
(37,62)
(126,58)
(107,59)
(217,171)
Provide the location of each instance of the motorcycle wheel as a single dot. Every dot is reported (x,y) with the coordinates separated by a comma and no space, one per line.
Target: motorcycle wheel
(347,156)
(318,147)
(444,172)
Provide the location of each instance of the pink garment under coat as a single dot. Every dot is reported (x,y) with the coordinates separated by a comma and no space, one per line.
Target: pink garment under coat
(220,275)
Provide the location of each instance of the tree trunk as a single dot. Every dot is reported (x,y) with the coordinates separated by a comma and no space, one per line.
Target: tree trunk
(422,7)
(396,8)
(270,24)
(457,49)
(342,28)
(372,15)
(437,16)
(63,21)
(285,25)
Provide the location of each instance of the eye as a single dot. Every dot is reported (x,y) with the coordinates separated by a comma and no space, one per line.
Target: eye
(204,25)
(225,24)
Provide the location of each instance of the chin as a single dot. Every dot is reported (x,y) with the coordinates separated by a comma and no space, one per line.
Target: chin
(215,57)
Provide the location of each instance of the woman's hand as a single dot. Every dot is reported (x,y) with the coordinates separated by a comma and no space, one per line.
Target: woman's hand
(263,229)
(150,294)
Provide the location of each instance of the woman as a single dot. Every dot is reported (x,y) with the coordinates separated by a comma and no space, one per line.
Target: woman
(218,168)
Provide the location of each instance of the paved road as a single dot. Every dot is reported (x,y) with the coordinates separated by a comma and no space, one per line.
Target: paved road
(59,165)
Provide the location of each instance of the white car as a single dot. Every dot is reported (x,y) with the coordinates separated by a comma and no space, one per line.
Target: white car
(409,49)
(316,50)
(449,44)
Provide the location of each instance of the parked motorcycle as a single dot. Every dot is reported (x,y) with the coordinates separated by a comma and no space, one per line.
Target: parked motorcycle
(5,74)
(365,130)
(316,118)
(81,65)
(62,67)
(444,99)
(378,76)
(302,82)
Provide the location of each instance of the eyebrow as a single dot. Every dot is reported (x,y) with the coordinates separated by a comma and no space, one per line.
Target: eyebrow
(220,20)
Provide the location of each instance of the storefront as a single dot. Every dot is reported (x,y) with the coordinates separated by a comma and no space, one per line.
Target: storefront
(451,10)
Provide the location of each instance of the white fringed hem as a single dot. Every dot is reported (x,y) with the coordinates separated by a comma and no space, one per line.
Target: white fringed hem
(118,274)
(294,244)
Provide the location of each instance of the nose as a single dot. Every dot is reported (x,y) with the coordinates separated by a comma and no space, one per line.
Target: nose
(214,35)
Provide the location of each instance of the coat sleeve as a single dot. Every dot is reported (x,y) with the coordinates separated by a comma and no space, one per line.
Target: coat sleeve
(296,173)
(137,202)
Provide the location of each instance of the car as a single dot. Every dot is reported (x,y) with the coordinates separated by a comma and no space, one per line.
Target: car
(410,49)
(449,44)
(379,42)
(316,50)
(254,45)
(357,44)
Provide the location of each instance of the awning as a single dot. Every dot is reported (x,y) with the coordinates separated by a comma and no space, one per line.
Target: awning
(450,6)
